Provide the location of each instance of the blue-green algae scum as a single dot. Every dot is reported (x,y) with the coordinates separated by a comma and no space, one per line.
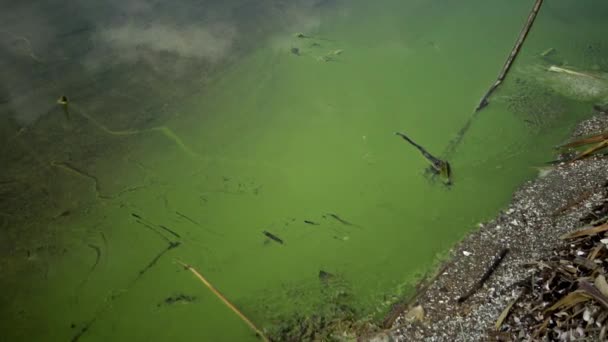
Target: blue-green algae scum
(255,143)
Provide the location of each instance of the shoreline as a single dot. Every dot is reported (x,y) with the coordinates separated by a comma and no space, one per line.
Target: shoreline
(540,211)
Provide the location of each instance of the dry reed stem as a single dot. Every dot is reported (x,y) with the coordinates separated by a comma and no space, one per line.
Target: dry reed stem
(225,301)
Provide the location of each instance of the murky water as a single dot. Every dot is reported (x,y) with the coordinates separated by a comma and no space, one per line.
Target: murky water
(209,124)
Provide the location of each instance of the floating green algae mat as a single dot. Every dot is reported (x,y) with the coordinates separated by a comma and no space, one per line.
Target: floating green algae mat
(300,145)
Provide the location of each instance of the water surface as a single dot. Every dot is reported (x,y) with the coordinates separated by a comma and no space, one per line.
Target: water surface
(223,139)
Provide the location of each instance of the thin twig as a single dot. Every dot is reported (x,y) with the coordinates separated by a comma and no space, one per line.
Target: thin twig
(225,301)
(505,69)
(503,73)
(485,276)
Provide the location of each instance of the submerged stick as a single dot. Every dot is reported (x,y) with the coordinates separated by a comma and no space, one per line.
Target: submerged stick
(503,74)
(341,220)
(156,258)
(225,300)
(485,276)
(440,167)
(555,68)
(272,237)
(505,69)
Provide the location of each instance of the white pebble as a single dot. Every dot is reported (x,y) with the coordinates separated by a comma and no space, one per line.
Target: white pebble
(581,332)
(586,315)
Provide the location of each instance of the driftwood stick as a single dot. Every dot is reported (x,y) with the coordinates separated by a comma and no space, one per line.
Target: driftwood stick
(485,276)
(503,74)
(505,69)
(225,301)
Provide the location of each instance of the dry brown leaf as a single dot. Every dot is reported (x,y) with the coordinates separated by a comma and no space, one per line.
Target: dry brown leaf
(593,293)
(595,251)
(586,140)
(585,232)
(569,301)
(504,314)
(591,150)
(601,284)
(584,262)
(542,328)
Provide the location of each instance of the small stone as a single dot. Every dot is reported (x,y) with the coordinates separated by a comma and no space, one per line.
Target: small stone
(415,314)
(586,315)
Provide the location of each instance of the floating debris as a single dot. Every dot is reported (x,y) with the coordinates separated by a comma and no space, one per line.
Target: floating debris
(179,298)
(330,56)
(339,219)
(187,218)
(97,256)
(558,69)
(151,226)
(438,166)
(64,102)
(580,85)
(153,262)
(514,52)
(547,52)
(225,300)
(325,276)
(273,237)
(342,238)
(295,51)
(170,231)
(325,58)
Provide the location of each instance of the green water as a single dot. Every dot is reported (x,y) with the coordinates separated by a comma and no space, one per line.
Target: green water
(275,139)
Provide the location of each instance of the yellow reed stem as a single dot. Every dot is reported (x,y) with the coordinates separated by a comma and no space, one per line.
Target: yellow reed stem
(225,301)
